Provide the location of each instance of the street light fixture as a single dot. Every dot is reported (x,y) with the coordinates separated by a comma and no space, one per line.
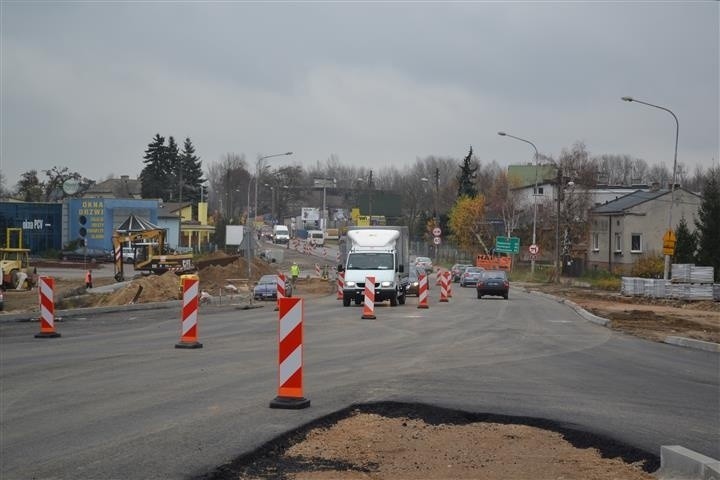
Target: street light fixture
(251,224)
(666,272)
(535,193)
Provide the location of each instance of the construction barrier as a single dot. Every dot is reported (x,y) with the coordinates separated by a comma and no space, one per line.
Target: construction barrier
(438,277)
(317,270)
(46,287)
(340,285)
(188,325)
(443,289)
(448,282)
(490,262)
(423,291)
(290,355)
(369,303)
(280,289)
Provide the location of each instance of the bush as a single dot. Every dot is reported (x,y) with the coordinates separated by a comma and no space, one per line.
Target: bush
(608,283)
(649,266)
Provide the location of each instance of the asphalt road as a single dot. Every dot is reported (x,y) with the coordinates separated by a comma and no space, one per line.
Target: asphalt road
(113,398)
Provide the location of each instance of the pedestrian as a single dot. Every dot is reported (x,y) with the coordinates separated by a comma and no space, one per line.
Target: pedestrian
(88,279)
(294,272)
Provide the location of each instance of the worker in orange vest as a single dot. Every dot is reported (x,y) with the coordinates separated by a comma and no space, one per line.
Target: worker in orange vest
(88,279)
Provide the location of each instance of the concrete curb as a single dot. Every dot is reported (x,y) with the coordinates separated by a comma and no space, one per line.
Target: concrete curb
(678,462)
(671,340)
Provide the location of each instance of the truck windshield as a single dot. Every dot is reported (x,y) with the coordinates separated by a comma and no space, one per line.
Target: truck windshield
(370,261)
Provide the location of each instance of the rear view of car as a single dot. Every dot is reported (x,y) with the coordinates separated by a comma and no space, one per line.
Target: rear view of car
(424,263)
(493,282)
(470,276)
(457,270)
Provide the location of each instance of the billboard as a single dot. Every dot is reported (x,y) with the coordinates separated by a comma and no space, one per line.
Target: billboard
(234,234)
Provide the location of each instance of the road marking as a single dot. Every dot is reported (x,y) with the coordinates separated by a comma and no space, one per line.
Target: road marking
(561,321)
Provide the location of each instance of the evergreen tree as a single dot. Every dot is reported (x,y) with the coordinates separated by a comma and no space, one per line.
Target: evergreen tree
(189,174)
(708,223)
(466,179)
(171,161)
(686,243)
(154,175)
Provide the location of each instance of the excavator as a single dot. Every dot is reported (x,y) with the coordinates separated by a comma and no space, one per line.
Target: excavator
(15,270)
(150,251)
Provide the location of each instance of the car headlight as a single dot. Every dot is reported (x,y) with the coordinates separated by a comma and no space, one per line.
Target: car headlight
(415,284)
(386,284)
(350,284)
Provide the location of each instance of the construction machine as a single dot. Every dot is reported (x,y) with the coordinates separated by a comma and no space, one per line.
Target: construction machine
(15,270)
(150,253)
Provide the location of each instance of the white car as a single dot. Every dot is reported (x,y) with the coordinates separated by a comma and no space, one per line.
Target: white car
(424,263)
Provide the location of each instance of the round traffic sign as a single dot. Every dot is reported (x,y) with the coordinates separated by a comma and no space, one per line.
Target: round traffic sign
(437,232)
(534,249)
(436,240)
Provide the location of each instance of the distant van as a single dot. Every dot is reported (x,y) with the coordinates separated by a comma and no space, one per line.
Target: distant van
(128,254)
(316,237)
(280,234)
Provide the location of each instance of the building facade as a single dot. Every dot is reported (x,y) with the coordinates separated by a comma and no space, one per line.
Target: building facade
(39,223)
(623,230)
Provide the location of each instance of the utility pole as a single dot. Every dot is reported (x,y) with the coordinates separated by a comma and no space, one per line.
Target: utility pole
(557,224)
(370,189)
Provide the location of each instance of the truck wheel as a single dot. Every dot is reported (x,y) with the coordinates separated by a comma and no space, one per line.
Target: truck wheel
(394,300)
(401,299)
(14,279)
(346,301)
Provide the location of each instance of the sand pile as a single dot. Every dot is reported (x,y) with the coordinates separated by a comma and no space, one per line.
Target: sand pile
(156,288)
(214,277)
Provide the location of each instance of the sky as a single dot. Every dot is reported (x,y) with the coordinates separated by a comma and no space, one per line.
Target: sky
(87,85)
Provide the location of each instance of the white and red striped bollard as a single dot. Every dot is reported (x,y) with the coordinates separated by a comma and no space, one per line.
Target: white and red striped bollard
(317,270)
(438,277)
(443,289)
(423,291)
(280,286)
(290,356)
(448,282)
(46,287)
(369,303)
(340,285)
(188,325)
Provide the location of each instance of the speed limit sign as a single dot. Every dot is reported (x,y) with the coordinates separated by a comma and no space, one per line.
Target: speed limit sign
(534,249)
(437,232)
(436,240)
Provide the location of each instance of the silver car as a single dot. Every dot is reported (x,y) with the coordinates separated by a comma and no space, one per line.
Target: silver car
(470,276)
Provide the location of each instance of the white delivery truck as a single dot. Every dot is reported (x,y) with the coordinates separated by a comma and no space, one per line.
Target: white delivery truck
(280,234)
(380,252)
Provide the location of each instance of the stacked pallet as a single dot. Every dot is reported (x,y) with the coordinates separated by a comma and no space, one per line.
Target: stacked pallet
(716,292)
(632,286)
(656,288)
(692,282)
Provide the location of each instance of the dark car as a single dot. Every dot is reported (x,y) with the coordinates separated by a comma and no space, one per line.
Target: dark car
(457,270)
(493,282)
(413,287)
(2,299)
(470,276)
(87,254)
(266,288)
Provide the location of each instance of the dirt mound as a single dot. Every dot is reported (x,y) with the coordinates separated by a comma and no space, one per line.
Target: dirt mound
(155,288)
(214,277)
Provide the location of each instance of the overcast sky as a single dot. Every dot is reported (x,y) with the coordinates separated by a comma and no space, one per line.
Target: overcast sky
(88,84)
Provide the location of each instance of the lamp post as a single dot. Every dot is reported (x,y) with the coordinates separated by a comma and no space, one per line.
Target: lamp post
(535,193)
(666,271)
(436,196)
(251,224)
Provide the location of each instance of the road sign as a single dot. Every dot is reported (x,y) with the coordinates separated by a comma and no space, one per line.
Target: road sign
(534,249)
(669,242)
(507,244)
(437,232)
(436,240)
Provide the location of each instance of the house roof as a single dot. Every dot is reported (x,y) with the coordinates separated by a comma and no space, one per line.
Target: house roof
(629,201)
(123,187)
(171,209)
(136,224)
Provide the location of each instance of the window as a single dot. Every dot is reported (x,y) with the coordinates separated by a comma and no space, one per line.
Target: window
(596,242)
(618,242)
(636,242)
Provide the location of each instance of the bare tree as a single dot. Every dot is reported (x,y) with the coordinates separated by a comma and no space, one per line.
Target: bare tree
(228,179)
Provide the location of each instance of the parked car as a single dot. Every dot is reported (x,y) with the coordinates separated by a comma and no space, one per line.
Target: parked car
(414,281)
(128,254)
(470,276)
(493,282)
(424,262)
(266,288)
(457,270)
(2,299)
(87,254)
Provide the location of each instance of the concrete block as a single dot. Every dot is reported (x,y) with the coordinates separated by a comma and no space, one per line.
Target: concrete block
(692,343)
(680,463)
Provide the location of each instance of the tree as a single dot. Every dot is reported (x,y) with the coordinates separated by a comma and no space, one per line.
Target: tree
(189,174)
(155,173)
(53,188)
(171,164)
(466,178)
(30,188)
(686,243)
(708,223)
(466,222)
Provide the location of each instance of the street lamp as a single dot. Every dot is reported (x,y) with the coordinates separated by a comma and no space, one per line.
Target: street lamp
(251,224)
(666,272)
(535,193)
